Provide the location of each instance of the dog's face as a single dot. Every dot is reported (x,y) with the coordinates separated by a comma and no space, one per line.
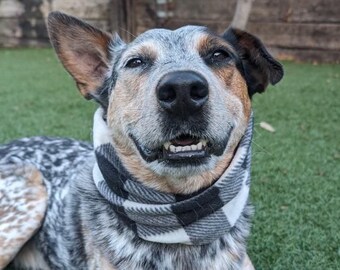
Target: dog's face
(177,102)
(183,102)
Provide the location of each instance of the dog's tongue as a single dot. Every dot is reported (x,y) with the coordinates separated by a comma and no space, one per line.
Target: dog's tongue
(183,141)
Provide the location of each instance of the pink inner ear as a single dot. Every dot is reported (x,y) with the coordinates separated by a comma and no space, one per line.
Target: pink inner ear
(83,50)
(91,64)
(87,63)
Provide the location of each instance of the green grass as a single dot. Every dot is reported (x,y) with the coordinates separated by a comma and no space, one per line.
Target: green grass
(37,97)
(296,172)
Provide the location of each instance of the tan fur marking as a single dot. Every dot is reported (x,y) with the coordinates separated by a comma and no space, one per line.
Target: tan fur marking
(206,42)
(229,75)
(126,95)
(186,185)
(20,187)
(95,258)
(148,50)
(235,83)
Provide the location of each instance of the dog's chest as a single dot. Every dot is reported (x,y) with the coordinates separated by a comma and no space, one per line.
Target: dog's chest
(113,245)
(144,259)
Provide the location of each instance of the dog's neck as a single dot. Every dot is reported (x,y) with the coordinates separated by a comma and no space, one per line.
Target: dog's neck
(198,218)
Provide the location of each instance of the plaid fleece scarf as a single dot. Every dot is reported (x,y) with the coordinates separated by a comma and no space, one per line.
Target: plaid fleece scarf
(155,216)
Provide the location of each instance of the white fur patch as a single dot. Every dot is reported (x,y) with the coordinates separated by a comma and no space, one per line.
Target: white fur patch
(100,129)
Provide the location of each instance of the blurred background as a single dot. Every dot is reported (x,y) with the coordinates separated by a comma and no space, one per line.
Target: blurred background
(306,30)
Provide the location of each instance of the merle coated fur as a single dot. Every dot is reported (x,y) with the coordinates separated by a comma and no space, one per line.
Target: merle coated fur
(81,230)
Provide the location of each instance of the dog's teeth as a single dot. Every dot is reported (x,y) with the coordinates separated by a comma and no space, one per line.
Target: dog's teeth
(187,148)
(167,145)
(193,147)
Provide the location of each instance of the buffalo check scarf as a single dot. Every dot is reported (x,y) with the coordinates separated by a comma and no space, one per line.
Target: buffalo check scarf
(194,219)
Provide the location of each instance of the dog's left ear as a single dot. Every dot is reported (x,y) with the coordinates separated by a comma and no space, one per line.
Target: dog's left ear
(83,50)
(259,67)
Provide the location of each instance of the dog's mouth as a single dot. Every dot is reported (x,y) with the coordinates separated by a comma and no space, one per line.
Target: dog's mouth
(182,149)
(185,147)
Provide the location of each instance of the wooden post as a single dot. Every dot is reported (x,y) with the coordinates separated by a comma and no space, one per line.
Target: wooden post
(241,15)
(122,18)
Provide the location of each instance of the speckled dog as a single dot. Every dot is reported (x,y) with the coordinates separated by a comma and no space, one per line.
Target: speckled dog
(166,184)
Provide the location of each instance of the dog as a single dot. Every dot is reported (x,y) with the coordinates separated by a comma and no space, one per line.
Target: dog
(165,185)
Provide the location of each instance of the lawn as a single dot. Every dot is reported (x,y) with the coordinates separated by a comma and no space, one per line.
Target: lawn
(295,172)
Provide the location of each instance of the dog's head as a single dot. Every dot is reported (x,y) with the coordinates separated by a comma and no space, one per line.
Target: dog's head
(177,102)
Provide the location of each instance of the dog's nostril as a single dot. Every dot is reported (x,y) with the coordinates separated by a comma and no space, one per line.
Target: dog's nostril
(199,91)
(168,94)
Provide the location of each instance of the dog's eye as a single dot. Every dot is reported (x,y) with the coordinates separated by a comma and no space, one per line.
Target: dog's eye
(219,56)
(134,62)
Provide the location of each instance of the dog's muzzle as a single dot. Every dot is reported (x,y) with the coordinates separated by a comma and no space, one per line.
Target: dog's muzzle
(182,95)
(184,112)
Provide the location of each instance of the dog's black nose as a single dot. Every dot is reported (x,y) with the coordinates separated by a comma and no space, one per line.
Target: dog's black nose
(182,92)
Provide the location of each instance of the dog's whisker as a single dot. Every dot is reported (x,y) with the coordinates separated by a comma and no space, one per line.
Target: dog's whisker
(262,148)
(126,31)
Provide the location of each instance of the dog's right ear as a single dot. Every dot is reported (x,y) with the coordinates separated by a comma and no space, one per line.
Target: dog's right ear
(82,49)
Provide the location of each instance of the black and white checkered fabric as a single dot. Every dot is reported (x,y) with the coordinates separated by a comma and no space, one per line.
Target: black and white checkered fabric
(194,219)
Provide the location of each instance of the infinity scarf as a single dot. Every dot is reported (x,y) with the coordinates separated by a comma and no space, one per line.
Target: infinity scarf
(195,219)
